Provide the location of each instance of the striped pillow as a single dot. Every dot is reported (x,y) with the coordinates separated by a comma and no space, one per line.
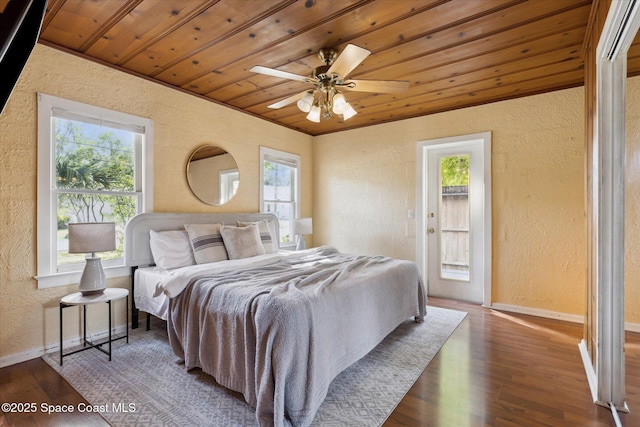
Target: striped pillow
(206,242)
(270,246)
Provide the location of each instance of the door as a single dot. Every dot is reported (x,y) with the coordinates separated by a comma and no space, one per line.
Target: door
(454,222)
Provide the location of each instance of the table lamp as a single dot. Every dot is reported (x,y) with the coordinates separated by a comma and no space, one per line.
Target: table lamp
(89,238)
(303,226)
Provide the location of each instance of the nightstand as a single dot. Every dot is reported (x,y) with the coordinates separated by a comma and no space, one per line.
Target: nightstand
(109,295)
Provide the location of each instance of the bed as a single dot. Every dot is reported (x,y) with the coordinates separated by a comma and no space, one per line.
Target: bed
(275,326)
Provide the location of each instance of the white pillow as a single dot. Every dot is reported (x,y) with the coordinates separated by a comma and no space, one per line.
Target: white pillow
(267,239)
(171,249)
(206,242)
(242,242)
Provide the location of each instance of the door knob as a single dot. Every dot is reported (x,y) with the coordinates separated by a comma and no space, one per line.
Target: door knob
(431,230)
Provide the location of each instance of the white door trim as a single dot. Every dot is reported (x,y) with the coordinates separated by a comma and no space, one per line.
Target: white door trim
(421,241)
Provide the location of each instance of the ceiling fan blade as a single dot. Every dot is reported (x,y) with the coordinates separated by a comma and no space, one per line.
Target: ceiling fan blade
(288,100)
(281,74)
(349,59)
(380,86)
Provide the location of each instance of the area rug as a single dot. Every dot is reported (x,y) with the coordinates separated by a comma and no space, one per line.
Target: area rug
(144,384)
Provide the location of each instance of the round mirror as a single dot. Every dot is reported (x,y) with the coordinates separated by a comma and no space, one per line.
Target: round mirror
(213,175)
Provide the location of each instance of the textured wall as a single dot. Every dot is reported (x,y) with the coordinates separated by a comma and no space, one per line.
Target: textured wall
(365,182)
(632,223)
(28,316)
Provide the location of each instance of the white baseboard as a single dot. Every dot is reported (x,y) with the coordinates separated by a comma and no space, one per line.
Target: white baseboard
(628,326)
(12,359)
(537,312)
(631,327)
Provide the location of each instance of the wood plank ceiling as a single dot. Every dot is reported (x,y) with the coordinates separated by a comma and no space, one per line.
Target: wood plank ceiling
(454,53)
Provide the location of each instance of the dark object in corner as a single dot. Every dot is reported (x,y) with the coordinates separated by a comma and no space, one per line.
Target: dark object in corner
(20,24)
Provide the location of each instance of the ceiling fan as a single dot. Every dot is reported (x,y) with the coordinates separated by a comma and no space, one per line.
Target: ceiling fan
(329,80)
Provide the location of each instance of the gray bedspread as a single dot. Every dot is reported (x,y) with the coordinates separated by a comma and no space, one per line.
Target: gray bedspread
(280,333)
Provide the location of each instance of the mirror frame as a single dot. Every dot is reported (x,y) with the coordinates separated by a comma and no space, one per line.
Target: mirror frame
(205,152)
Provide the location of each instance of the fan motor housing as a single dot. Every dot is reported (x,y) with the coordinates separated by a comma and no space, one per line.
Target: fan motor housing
(321,72)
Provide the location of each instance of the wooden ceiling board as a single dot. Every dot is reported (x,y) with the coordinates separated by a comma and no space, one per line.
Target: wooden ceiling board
(273,29)
(215,24)
(382,33)
(78,22)
(303,57)
(458,61)
(146,25)
(479,30)
(454,53)
(422,45)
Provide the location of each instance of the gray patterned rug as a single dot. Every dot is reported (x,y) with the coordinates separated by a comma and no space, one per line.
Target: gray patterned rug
(144,384)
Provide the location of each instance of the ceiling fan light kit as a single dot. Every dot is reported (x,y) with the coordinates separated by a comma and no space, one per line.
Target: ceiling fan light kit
(306,102)
(328,79)
(314,113)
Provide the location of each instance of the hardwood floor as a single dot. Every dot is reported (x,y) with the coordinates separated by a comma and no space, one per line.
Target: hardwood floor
(497,369)
(502,369)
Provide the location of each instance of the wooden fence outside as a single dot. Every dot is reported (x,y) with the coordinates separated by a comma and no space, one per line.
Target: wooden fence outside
(454,227)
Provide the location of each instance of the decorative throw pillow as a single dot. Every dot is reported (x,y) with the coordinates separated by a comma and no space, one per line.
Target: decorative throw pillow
(206,242)
(242,242)
(266,237)
(171,249)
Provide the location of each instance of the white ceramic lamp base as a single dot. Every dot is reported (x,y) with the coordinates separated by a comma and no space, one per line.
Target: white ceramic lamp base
(93,280)
(302,243)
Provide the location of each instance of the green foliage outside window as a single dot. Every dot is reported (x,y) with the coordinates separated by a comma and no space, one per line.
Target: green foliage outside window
(97,162)
(455,170)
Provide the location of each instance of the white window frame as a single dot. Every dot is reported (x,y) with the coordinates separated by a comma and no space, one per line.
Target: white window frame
(270,153)
(47,275)
(228,179)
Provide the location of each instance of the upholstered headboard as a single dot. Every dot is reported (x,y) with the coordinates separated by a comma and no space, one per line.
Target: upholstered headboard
(137,251)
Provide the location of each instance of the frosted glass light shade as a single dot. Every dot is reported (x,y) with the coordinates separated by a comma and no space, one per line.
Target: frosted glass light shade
(349,112)
(90,237)
(306,102)
(314,114)
(340,104)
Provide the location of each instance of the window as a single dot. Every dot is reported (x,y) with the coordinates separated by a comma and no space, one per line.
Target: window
(94,165)
(229,181)
(280,190)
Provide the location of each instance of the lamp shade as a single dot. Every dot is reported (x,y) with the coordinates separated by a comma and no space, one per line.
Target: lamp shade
(90,237)
(304,226)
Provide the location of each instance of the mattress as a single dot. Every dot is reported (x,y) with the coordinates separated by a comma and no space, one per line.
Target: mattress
(146,280)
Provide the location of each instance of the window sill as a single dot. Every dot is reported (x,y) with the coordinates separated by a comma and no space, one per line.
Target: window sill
(73,277)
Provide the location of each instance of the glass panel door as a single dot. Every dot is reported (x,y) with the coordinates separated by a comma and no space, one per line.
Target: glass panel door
(457,247)
(454,217)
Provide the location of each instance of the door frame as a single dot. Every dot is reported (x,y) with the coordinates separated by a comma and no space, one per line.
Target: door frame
(606,158)
(423,148)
